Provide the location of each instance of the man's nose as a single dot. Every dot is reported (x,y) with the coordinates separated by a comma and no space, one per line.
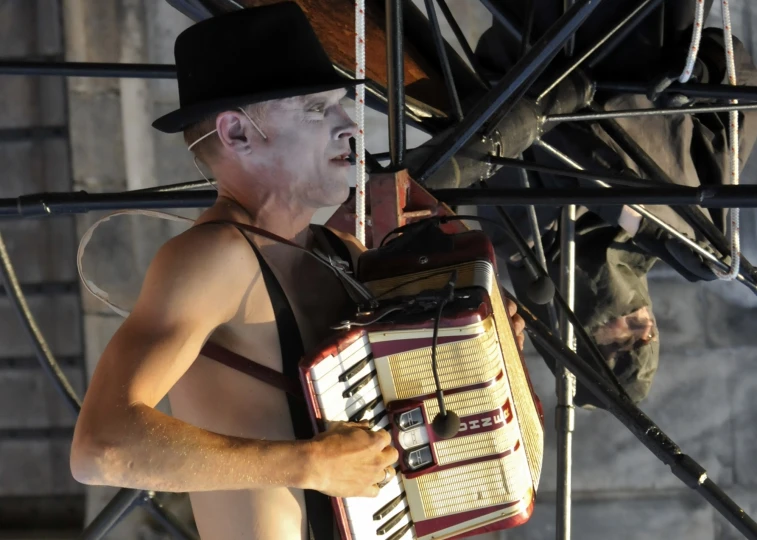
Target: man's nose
(346,128)
(645,329)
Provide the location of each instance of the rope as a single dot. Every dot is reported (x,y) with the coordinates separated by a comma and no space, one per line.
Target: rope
(695,40)
(360,118)
(733,121)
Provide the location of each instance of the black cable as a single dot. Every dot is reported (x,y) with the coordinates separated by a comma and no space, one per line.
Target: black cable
(41,349)
(434,368)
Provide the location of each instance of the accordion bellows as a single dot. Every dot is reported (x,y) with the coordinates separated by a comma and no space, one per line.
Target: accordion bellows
(485,477)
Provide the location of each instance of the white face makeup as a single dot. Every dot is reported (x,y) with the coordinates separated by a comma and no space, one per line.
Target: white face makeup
(308,146)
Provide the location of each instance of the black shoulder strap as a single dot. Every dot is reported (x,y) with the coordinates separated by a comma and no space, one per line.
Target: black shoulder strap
(333,245)
(318,506)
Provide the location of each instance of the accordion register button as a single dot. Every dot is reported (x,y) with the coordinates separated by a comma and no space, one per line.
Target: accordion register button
(413,437)
(410,419)
(419,458)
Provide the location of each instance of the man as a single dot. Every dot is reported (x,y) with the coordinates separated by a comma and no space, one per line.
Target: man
(260,105)
(615,247)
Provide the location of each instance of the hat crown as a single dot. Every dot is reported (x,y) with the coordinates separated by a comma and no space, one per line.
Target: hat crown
(248,51)
(247,56)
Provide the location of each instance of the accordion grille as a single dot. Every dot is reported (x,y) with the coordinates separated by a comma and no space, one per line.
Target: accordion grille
(525,407)
(460,363)
(472,402)
(472,487)
(480,445)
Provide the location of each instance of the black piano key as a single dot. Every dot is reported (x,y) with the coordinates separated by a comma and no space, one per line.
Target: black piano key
(392,521)
(399,534)
(355,388)
(376,419)
(358,416)
(352,371)
(388,507)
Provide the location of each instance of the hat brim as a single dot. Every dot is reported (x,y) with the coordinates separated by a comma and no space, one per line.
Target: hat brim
(182,118)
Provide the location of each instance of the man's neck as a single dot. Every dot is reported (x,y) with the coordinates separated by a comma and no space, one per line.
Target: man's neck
(272,212)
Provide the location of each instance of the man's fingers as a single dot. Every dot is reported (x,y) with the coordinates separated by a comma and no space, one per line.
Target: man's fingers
(390,455)
(382,438)
(511,307)
(518,324)
(521,339)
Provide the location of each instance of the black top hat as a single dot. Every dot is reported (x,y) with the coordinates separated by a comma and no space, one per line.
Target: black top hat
(248,56)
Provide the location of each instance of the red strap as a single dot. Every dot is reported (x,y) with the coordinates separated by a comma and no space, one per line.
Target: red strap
(251,368)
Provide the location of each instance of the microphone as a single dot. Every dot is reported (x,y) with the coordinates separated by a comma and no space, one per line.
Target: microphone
(446,423)
(541,290)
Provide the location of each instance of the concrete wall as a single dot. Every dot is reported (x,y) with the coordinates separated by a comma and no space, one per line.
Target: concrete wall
(35,426)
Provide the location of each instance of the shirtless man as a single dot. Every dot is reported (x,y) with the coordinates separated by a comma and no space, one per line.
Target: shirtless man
(230,442)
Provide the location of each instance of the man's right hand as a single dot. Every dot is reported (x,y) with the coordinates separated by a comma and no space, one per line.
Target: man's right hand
(350,460)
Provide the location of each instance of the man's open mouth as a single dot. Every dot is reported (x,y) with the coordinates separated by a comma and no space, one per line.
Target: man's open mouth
(348,158)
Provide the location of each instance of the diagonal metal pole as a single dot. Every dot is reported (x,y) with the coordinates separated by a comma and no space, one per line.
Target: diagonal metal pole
(626,25)
(472,59)
(121,504)
(650,216)
(632,113)
(510,88)
(169,522)
(449,82)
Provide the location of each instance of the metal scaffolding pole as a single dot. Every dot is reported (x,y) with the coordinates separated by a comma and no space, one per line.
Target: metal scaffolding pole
(695,90)
(650,216)
(631,113)
(504,95)
(627,24)
(395,78)
(88,69)
(454,100)
(565,381)
(123,502)
(51,204)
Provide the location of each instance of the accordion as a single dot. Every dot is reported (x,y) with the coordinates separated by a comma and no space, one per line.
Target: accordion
(378,369)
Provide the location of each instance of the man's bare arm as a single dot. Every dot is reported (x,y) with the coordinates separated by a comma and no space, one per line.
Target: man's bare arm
(196,283)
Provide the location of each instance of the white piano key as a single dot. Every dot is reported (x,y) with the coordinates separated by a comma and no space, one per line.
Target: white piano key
(366,530)
(372,413)
(343,360)
(365,507)
(331,382)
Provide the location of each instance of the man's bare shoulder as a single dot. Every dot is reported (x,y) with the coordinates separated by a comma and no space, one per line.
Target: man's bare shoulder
(198,267)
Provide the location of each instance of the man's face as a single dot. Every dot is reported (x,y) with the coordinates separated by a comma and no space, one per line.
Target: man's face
(308,143)
(628,332)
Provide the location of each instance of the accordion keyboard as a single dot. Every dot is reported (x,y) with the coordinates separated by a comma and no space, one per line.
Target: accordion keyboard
(346,387)
(482,478)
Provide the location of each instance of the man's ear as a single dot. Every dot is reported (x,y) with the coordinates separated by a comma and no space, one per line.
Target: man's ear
(234,132)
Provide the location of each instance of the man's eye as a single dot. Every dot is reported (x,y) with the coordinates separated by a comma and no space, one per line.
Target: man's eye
(317,108)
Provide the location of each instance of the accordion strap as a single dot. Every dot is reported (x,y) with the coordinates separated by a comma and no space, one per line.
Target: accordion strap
(278,380)
(318,505)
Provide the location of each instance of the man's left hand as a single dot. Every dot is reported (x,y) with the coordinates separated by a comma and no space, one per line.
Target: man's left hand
(518,323)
